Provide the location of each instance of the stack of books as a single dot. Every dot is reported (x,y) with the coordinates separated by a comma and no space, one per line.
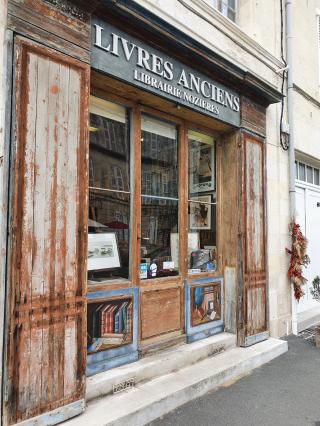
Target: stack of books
(111,325)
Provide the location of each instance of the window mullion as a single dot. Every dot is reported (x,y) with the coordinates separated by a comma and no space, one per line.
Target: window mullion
(135,206)
(183,199)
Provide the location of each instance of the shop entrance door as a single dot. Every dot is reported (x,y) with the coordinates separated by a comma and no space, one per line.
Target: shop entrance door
(161,223)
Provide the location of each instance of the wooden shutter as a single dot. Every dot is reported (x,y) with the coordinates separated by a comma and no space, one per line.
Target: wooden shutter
(46,315)
(253,279)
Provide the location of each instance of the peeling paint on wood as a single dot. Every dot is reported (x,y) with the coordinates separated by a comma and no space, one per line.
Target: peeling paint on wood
(50,26)
(47,308)
(255,280)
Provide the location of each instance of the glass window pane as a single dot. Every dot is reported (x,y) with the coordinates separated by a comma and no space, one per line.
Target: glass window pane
(159,188)
(309,174)
(231,15)
(297,176)
(159,238)
(202,243)
(302,172)
(159,163)
(109,187)
(109,146)
(224,7)
(316,176)
(202,254)
(201,163)
(232,4)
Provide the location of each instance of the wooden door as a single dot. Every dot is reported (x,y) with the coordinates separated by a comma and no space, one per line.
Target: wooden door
(252,255)
(46,316)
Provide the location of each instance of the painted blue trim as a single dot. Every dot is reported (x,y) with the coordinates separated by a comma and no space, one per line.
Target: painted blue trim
(204,334)
(203,330)
(105,360)
(59,415)
(114,362)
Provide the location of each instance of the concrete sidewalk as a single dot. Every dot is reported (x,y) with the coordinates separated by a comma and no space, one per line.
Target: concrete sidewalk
(284,392)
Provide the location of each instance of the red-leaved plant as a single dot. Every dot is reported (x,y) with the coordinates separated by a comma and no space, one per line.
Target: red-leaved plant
(298,260)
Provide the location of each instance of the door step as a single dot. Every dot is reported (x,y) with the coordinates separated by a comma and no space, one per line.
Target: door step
(148,401)
(159,364)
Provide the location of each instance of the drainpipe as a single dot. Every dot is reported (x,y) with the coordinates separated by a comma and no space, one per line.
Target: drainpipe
(292,188)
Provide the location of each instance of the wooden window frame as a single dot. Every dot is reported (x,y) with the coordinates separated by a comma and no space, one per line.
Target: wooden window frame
(136,110)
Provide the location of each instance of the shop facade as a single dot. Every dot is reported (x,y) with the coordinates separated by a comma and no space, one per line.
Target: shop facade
(137,213)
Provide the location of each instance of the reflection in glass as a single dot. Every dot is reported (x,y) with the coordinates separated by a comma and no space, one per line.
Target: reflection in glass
(202,203)
(159,251)
(302,172)
(109,192)
(309,174)
(159,202)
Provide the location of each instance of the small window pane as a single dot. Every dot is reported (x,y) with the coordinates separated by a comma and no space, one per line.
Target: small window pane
(159,152)
(201,163)
(309,174)
(316,176)
(231,15)
(302,172)
(297,170)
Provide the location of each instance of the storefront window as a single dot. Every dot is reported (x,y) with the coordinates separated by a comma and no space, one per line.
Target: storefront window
(109,192)
(159,199)
(202,203)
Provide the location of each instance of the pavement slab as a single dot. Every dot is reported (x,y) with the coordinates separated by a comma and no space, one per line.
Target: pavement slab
(283,392)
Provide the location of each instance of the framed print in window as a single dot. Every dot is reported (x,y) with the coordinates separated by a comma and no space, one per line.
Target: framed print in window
(201,166)
(103,251)
(200,212)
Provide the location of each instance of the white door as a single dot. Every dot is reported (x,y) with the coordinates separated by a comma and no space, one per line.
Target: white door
(308,216)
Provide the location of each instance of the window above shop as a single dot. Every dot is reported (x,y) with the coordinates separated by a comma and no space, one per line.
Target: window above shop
(226,7)
(308,174)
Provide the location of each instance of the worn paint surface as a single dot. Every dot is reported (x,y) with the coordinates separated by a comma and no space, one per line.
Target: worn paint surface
(255,262)
(46,343)
(56,26)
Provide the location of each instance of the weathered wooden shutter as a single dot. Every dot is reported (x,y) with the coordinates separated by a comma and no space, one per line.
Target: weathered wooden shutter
(253,280)
(46,314)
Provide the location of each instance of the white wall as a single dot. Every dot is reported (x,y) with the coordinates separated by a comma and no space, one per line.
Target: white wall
(306,75)
(260,19)
(306,49)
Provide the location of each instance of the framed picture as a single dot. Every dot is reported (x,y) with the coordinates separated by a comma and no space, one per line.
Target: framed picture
(205,304)
(103,251)
(200,212)
(201,167)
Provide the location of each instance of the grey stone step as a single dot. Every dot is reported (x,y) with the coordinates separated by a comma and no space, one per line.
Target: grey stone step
(158,364)
(308,318)
(148,401)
